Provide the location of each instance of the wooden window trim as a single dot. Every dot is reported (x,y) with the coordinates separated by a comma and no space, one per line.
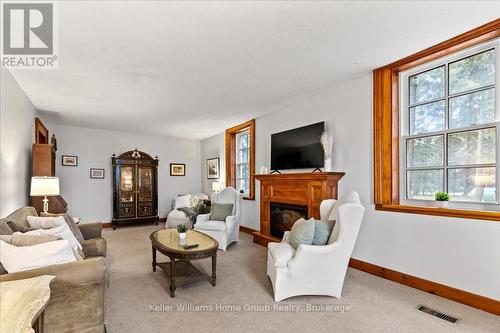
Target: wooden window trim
(231,155)
(386,124)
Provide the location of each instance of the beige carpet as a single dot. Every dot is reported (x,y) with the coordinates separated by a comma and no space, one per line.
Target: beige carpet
(374,304)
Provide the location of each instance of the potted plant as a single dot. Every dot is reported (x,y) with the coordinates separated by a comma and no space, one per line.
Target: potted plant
(181,229)
(442,197)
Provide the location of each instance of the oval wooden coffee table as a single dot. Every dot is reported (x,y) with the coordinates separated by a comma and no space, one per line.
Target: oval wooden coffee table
(179,269)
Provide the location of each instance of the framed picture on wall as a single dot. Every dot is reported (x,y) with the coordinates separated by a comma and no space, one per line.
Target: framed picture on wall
(213,168)
(177,169)
(69,160)
(96,173)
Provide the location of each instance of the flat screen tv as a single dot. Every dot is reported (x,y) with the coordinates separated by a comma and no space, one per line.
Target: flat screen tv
(299,148)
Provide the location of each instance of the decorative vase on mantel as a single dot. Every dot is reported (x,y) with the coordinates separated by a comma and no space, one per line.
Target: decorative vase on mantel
(328,165)
(326,143)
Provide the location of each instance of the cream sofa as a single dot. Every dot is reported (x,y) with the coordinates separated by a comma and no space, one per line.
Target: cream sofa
(176,216)
(77,293)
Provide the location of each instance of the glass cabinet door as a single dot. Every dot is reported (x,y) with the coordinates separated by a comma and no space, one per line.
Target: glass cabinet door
(145,185)
(126,194)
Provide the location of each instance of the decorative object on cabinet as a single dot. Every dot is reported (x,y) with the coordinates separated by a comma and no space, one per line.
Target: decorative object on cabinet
(53,141)
(327,144)
(43,187)
(96,173)
(69,160)
(135,188)
(177,169)
(43,159)
(213,168)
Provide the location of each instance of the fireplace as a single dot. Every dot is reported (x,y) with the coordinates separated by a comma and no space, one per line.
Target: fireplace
(283,216)
(303,192)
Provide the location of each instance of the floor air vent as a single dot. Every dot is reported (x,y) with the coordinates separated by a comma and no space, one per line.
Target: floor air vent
(438,314)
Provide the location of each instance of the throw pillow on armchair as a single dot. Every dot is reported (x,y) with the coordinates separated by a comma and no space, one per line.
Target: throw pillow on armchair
(220,211)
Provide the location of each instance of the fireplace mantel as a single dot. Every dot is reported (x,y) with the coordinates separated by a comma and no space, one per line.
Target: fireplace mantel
(306,188)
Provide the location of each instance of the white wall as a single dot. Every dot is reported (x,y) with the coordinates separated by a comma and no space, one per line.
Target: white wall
(91,199)
(456,252)
(211,148)
(17,133)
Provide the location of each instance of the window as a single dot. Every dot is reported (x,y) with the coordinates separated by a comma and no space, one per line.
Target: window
(243,162)
(240,158)
(448,129)
(436,128)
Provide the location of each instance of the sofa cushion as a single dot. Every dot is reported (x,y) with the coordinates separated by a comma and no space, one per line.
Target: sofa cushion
(28,240)
(197,198)
(182,201)
(45,222)
(302,232)
(49,220)
(220,211)
(4,227)
(176,217)
(19,228)
(322,231)
(20,215)
(62,231)
(74,228)
(211,225)
(95,247)
(17,259)
(281,253)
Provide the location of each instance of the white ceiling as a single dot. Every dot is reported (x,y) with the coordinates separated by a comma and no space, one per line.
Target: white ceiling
(192,69)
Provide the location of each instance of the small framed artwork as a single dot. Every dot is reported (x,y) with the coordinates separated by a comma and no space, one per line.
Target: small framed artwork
(177,169)
(213,168)
(69,160)
(96,173)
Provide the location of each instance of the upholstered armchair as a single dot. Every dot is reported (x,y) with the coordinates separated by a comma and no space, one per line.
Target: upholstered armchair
(317,269)
(228,231)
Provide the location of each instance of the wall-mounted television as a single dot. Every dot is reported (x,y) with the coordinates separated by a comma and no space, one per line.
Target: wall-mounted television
(299,148)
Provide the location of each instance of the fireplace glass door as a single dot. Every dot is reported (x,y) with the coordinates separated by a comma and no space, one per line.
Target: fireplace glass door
(283,216)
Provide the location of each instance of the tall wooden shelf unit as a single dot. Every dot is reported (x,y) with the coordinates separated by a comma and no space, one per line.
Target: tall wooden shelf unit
(43,163)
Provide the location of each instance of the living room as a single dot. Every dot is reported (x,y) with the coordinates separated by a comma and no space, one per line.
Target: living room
(169,139)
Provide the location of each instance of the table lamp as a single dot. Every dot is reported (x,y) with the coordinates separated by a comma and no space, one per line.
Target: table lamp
(44,186)
(216,186)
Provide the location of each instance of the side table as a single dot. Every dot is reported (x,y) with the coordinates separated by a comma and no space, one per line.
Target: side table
(22,304)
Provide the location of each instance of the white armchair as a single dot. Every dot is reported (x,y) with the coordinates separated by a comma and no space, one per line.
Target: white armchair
(228,231)
(314,269)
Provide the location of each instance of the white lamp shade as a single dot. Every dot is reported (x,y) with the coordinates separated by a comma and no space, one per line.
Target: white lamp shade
(41,186)
(216,186)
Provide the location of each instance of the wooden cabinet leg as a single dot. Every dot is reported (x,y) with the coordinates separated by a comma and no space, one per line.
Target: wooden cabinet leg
(172,277)
(214,269)
(154,259)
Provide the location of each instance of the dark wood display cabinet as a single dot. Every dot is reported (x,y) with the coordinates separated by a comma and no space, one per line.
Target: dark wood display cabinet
(135,188)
